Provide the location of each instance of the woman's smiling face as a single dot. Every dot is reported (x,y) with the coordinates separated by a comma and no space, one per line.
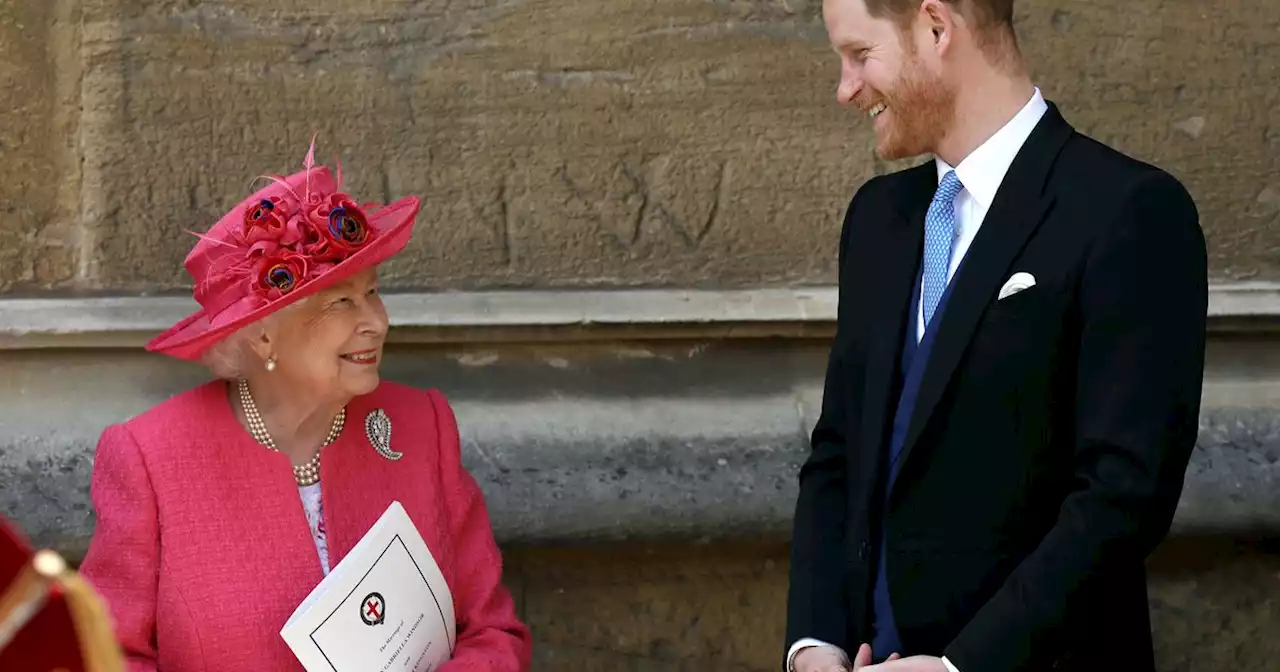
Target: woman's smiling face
(331,345)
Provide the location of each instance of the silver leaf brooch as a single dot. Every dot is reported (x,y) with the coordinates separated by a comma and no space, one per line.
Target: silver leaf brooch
(378,427)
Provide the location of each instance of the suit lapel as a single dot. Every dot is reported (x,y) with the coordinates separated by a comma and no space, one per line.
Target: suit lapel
(1020,204)
(897,257)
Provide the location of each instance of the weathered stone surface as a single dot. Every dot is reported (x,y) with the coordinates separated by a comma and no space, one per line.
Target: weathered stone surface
(587,659)
(1215,605)
(554,143)
(624,142)
(1186,85)
(38,72)
(1236,456)
(713,607)
(571,443)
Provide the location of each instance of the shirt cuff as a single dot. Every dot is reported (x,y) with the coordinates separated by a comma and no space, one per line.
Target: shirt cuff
(808,642)
(950,667)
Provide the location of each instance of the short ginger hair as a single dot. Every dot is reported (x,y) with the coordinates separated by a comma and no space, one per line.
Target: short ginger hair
(992,20)
(986,13)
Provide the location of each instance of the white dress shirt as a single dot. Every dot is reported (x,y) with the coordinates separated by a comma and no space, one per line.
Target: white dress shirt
(981,173)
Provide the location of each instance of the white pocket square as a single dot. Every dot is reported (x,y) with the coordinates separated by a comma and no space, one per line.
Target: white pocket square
(1016,283)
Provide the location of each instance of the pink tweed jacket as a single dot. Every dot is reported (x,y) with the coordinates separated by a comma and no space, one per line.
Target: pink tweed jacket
(202,548)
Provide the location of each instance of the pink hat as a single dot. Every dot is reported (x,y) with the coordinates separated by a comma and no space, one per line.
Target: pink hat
(295,237)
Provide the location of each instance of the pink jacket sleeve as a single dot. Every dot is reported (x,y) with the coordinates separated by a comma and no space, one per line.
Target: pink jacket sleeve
(491,638)
(123,561)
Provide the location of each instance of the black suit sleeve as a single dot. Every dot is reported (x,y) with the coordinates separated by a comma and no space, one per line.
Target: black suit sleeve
(1142,304)
(816,601)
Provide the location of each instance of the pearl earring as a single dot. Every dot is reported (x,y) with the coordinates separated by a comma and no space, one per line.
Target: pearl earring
(271,363)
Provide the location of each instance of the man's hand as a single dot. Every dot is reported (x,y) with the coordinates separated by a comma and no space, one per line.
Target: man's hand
(909,664)
(831,659)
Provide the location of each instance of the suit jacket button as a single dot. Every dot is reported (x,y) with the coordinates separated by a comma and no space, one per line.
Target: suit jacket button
(864,550)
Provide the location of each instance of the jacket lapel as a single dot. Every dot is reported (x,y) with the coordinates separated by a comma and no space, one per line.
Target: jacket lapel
(255,489)
(1019,207)
(348,485)
(358,485)
(897,258)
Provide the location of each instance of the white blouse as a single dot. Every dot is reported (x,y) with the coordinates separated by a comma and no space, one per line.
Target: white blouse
(315,519)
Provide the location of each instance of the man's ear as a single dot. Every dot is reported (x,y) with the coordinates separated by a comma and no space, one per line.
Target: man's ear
(940,18)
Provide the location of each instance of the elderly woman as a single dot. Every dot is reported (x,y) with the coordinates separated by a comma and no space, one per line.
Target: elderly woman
(220,509)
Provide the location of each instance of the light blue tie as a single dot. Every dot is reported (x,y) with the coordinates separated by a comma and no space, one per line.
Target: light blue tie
(939,237)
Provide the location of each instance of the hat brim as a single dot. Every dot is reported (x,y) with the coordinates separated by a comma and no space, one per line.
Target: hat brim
(190,338)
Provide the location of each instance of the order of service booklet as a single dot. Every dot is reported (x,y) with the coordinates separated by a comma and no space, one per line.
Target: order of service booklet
(384,608)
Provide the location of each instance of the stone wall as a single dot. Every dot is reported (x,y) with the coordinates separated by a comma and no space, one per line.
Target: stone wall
(556,142)
(653,608)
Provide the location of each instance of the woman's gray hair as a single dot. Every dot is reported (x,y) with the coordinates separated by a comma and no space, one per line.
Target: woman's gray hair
(233,358)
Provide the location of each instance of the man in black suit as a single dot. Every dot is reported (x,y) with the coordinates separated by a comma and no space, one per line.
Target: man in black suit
(1013,391)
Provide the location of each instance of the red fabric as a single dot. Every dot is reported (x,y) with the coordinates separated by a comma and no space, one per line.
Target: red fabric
(202,549)
(48,641)
(15,552)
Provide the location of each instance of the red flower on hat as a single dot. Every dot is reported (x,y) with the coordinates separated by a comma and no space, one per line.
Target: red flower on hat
(288,245)
(341,226)
(265,220)
(295,236)
(278,271)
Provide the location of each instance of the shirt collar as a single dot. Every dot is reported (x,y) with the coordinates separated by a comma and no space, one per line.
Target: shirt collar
(982,171)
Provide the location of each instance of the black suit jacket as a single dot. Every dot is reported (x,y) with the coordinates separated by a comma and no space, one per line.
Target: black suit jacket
(1052,429)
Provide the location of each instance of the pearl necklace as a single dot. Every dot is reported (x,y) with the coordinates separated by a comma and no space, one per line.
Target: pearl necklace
(304,474)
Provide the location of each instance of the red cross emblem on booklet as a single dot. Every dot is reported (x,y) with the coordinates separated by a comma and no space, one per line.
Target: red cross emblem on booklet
(374,610)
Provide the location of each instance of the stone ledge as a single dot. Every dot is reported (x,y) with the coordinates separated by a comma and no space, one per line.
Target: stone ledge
(456,317)
(556,471)
(539,315)
(586,442)
(741,484)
